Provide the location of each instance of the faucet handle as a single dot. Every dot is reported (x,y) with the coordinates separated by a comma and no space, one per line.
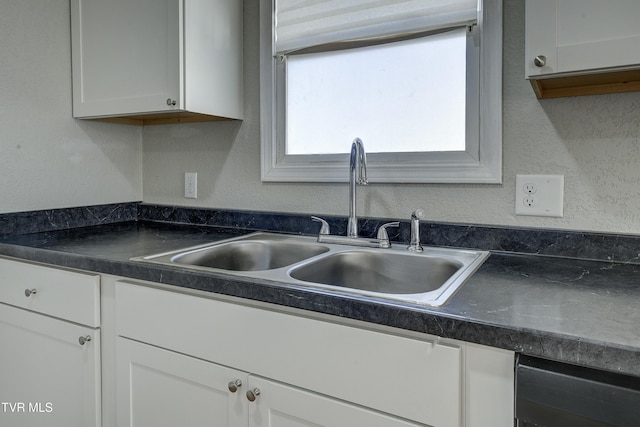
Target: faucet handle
(383,237)
(324,229)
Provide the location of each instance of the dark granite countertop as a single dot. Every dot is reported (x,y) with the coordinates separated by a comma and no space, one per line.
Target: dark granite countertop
(581,312)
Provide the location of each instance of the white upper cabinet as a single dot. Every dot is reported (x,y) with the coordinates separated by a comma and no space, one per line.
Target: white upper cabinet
(157,61)
(582,46)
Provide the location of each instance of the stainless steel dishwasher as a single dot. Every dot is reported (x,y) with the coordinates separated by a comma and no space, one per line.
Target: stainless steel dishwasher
(553,394)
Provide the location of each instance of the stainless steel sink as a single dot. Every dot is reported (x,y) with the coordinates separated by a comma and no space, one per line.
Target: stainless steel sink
(256,253)
(388,273)
(251,255)
(430,277)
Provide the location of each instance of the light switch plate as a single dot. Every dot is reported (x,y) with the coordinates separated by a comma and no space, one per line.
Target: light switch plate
(540,195)
(191,185)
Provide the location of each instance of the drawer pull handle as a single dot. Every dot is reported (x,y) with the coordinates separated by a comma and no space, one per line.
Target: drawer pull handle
(29,292)
(234,385)
(253,394)
(85,339)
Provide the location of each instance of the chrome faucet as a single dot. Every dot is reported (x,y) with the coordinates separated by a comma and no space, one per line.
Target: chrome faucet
(357,176)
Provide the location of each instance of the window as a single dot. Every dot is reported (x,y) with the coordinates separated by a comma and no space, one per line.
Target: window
(413,110)
(425,99)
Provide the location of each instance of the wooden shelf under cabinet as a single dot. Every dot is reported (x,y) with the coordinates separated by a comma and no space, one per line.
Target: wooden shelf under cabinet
(162,118)
(587,84)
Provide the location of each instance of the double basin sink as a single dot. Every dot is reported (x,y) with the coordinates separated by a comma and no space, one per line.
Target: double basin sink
(429,278)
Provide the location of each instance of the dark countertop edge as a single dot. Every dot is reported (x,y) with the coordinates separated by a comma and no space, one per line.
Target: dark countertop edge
(427,320)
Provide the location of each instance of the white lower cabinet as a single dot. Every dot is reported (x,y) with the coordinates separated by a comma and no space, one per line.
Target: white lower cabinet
(49,366)
(179,355)
(281,405)
(158,387)
(81,351)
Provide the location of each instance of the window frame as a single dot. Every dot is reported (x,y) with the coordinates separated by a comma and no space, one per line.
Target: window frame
(481,163)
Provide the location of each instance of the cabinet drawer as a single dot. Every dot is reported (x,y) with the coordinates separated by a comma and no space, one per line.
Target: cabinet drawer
(65,294)
(418,379)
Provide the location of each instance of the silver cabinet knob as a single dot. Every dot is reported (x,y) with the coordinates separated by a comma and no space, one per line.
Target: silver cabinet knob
(29,292)
(253,394)
(171,102)
(85,339)
(234,385)
(540,61)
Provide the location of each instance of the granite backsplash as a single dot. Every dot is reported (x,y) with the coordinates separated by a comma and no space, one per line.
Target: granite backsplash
(616,248)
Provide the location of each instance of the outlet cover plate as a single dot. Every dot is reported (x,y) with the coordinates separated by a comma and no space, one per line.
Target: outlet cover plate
(540,195)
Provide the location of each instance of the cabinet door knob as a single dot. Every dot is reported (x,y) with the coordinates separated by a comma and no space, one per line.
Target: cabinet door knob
(84,339)
(253,394)
(234,385)
(29,292)
(171,102)
(540,61)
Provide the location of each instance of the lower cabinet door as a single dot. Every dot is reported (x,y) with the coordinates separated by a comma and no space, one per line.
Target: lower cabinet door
(273,404)
(158,387)
(48,375)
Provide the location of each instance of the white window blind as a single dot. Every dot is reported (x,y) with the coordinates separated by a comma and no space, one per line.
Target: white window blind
(300,24)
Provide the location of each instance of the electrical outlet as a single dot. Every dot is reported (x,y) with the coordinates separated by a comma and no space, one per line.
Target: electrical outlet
(540,195)
(529,202)
(191,185)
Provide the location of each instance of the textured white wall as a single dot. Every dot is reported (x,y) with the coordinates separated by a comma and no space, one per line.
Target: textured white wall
(593,141)
(48,159)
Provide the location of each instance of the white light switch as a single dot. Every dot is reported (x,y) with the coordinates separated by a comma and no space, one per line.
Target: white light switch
(191,185)
(540,195)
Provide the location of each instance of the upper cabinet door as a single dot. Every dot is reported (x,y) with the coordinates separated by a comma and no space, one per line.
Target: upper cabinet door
(581,36)
(127,56)
(157,61)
